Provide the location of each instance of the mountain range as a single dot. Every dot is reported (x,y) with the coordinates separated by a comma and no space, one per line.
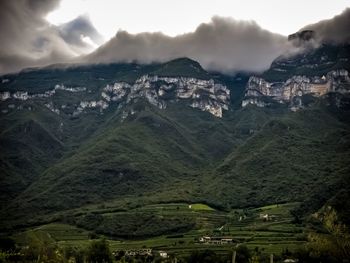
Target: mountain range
(129,134)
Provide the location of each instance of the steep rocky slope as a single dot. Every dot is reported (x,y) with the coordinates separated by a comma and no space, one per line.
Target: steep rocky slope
(290,92)
(164,132)
(205,94)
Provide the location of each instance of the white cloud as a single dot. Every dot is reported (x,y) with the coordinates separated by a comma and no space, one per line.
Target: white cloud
(88,41)
(182,16)
(224,44)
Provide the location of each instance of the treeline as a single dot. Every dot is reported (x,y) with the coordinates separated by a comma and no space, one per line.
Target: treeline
(135,225)
(40,251)
(98,251)
(328,242)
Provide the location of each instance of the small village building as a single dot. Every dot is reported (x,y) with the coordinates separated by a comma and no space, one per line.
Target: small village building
(218,240)
(136,252)
(290,260)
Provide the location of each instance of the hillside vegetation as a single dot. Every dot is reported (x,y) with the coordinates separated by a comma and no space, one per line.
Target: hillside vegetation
(53,165)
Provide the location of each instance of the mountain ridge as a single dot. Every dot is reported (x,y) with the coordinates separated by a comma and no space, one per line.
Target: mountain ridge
(141,144)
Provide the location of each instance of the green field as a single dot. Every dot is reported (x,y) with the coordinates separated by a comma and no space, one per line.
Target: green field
(199,207)
(245,226)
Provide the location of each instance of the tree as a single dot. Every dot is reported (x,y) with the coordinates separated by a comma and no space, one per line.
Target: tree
(254,259)
(98,252)
(79,255)
(206,256)
(41,250)
(73,253)
(243,254)
(334,243)
(7,244)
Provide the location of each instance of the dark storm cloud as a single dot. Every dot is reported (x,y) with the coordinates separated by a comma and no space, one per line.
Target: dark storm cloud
(224,45)
(27,39)
(335,30)
(74,32)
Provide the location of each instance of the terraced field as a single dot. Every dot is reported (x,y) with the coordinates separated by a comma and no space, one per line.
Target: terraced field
(268,228)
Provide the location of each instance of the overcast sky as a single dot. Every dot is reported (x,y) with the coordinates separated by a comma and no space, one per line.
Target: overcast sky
(222,35)
(182,16)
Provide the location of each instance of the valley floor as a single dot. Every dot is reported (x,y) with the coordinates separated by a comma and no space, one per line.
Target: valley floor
(269,229)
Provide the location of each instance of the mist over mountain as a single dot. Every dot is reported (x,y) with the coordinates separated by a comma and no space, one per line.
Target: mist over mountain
(226,142)
(224,44)
(335,30)
(29,40)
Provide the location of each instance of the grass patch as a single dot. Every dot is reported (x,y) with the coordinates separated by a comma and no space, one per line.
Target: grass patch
(200,207)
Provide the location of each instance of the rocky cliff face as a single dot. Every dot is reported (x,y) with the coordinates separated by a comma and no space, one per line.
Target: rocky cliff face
(310,61)
(261,92)
(205,95)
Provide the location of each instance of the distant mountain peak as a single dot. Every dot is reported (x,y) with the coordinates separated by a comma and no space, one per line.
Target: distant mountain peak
(184,67)
(301,36)
(182,60)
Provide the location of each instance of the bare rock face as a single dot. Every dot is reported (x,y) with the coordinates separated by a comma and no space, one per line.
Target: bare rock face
(205,95)
(301,37)
(290,91)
